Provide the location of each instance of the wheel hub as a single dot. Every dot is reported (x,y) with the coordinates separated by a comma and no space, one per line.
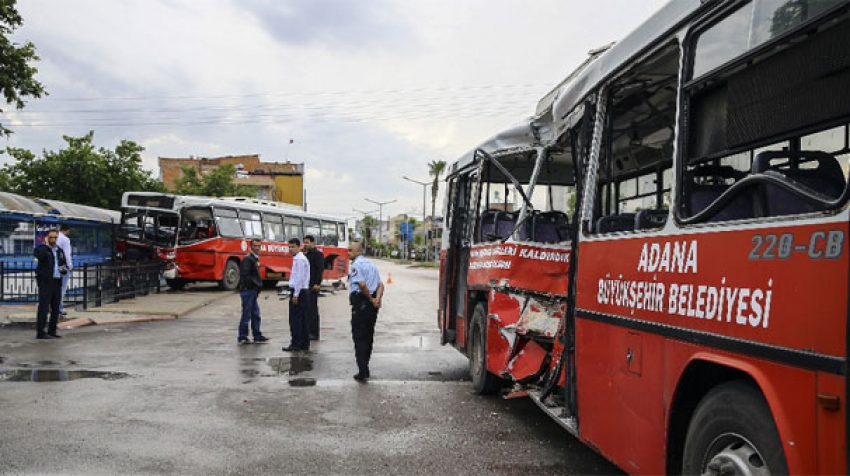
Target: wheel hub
(737,458)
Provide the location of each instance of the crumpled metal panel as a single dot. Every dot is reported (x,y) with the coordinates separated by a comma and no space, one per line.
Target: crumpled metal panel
(541,317)
(528,362)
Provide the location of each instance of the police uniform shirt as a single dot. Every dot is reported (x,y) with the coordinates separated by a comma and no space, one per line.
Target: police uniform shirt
(362,270)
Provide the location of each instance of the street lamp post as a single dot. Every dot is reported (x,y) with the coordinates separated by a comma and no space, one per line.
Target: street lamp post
(430,225)
(380,217)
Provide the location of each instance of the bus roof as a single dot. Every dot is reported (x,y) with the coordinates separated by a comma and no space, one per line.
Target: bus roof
(11,202)
(553,109)
(243,203)
(655,28)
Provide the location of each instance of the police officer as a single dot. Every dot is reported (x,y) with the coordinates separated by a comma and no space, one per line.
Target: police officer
(365,298)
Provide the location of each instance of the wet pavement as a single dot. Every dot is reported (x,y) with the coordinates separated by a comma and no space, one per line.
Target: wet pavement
(179,396)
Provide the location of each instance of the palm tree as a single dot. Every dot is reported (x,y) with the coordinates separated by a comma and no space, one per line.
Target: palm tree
(369,222)
(435,169)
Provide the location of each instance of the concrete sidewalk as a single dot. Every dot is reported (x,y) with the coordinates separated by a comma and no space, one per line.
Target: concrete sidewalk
(166,305)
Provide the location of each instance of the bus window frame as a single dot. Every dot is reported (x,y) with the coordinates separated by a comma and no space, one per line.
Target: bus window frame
(227,220)
(694,88)
(269,221)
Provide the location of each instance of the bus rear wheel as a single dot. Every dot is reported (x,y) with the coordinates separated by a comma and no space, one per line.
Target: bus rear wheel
(732,432)
(230,280)
(483,382)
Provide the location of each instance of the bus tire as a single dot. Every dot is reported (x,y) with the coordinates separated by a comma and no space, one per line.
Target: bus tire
(732,432)
(176,284)
(483,382)
(230,280)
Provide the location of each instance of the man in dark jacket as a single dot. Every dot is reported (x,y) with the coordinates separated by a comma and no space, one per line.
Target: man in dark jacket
(250,284)
(48,274)
(317,269)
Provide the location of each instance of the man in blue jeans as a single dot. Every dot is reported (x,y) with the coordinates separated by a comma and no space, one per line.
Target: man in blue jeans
(250,284)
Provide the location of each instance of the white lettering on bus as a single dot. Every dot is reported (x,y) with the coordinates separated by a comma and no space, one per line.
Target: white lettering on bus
(742,306)
(490,264)
(543,255)
(676,257)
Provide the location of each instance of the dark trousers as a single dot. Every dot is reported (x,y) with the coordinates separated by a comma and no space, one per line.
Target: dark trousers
(250,314)
(298,325)
(49,297)
(313,314)
(363,318)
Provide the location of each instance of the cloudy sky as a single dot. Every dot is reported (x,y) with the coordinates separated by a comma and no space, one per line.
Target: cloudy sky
(368,91)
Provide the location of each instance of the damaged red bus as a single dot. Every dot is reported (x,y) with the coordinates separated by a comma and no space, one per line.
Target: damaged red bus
(658,258)
(205,238)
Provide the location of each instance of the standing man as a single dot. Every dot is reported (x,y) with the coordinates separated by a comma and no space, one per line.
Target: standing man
(65,243)
(250,284)
(365,298)
(317,270)
(299,283)
(48,274)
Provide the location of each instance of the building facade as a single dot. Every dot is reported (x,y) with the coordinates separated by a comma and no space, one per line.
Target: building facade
(279,182)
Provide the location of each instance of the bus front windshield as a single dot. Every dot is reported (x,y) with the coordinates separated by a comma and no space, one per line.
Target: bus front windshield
(149,227)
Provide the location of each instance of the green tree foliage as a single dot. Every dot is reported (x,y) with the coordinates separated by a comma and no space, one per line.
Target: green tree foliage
(80,173)
(216,183)
(16,73)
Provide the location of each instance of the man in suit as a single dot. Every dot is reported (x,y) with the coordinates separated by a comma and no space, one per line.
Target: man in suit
(317,270)
(48,274)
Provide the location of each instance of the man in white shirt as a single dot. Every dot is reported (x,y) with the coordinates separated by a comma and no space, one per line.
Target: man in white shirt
(62,241)
(299,283)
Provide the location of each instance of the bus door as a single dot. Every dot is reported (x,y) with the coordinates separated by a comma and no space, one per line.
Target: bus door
(453,286)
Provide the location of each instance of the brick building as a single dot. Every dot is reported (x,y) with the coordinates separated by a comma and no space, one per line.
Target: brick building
(280,182)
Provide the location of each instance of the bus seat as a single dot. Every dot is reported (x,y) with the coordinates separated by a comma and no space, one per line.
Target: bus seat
(827,178)
(550,227)
(612,223)
(487,226)
(651,219)
(706,183)
(505,223)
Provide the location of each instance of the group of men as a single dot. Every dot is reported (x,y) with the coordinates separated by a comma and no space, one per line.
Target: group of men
(52,274)
(305,280)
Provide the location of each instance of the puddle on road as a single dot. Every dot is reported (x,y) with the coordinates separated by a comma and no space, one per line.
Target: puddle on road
(50,375)
(287,366)
(290,365)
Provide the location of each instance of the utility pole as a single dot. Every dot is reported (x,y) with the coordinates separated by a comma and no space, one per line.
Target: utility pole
(430,225)
(380,217)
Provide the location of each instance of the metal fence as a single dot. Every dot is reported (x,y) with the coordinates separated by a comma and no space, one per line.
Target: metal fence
(90,285)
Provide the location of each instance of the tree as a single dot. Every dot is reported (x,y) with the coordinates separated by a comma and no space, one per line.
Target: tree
(369,222)
(16,74)
(216,183)
(435,169)
(80,173)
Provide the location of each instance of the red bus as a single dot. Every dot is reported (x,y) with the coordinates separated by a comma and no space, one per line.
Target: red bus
(204,238)
(658,257)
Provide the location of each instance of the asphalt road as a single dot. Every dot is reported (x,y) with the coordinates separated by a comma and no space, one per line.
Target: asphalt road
(180,397)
